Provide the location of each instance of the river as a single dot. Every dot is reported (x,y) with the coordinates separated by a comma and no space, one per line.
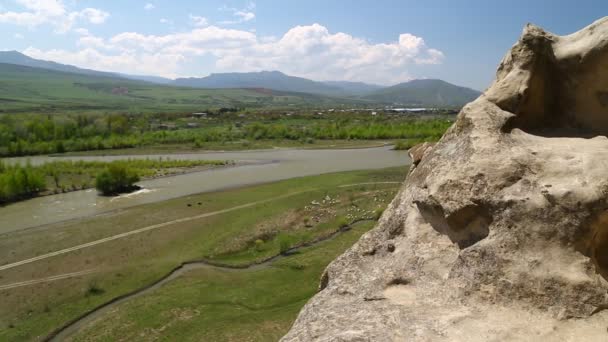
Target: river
(256,167)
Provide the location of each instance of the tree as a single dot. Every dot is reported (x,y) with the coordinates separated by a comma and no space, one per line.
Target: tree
(116,179)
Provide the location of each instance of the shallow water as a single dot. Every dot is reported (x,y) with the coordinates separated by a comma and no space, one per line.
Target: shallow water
(262,166)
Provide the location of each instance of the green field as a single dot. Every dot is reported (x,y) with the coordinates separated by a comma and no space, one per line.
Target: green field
(278,216)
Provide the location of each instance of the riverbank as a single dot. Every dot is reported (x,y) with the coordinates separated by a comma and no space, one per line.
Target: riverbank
(55,177)
(232,227)
(234,146)
(252,167)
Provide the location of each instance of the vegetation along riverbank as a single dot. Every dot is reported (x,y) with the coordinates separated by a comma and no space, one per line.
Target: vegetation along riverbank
(18,182)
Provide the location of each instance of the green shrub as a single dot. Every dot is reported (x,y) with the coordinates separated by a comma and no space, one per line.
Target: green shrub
(401,145)
(94,289)
(284,243)
(19,182)
(378,213)
(343,222)
(116,179)
(259,245)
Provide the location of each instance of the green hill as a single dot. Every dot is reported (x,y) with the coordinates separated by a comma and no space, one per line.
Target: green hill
(25,88)
(263,79)
(427,92)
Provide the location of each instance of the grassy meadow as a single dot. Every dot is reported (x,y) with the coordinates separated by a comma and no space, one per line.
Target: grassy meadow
(206,304)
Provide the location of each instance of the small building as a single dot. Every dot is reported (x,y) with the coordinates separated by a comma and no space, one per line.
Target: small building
(193,125)
(166,127)
(199,115)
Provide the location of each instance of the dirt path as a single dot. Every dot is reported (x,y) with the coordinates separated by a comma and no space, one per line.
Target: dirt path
(164,224)
(46,280)
(145,229)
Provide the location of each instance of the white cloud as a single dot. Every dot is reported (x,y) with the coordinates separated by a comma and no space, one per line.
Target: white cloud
(242,15)
(149,7)
(198,20)
(51,12)
(123,62)
(93,15)
(18,36)
(82,31)
(308,51)
(165,21)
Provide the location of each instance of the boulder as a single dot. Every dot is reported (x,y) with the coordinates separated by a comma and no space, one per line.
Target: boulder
(500,232)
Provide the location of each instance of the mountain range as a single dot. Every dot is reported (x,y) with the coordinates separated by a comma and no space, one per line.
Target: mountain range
(422,92)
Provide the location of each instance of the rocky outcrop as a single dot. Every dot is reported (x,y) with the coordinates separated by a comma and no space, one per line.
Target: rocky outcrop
(500,232)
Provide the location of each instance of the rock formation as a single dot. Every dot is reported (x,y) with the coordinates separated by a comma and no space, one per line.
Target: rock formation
(500,232)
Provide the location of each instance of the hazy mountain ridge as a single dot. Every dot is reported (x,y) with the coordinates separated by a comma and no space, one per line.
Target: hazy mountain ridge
(263,79)
(423,92)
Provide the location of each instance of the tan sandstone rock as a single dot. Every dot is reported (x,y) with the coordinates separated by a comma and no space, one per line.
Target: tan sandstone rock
(500,232)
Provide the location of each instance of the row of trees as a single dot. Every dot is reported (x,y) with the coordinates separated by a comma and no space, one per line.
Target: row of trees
(44,135)
(17,182)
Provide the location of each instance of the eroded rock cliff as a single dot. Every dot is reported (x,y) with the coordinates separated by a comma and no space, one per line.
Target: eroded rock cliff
(500,232)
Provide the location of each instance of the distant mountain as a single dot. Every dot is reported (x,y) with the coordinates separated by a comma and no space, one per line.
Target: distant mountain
(275,80)
(151,79)
(29,89)
(426,92)
(355,88)
(17,58)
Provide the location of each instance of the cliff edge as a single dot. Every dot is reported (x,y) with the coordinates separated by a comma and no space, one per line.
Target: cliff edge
(500,232)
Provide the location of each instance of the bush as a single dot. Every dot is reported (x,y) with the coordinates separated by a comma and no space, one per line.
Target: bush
(378,213)
(18,182)
(94,289)
(259,245)
(402,145)
(343,222)
(284,243)
(116,179)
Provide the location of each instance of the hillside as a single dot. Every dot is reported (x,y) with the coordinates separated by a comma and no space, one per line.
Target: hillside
(284,88)
(25,88)
(15,57)
(426,92)
(355,88)
(263,79)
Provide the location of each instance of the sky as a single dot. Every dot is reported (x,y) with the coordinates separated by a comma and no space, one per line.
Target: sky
(382,42)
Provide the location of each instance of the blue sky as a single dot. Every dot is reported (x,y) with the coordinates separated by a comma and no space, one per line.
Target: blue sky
(382,42)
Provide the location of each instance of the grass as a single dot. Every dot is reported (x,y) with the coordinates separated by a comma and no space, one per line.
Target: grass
(216,305)
(406,144)
(130,263)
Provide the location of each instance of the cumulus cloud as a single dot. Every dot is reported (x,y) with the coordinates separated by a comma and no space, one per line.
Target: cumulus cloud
(51,12)
(127,62)
(165,21)
(149,7)
(308,51)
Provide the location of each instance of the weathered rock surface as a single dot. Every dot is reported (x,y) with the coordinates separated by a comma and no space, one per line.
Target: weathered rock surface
(500,232)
